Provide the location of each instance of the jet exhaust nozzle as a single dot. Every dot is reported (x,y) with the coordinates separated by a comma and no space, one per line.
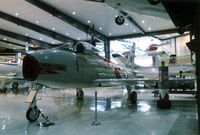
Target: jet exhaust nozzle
(30,68)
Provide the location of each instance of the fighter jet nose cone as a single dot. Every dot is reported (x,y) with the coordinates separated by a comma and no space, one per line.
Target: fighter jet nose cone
(30,68)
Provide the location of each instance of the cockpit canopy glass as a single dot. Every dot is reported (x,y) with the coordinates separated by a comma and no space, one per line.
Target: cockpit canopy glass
(80,47)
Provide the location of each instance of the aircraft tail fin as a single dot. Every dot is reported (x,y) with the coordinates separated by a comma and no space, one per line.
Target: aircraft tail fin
(129,59)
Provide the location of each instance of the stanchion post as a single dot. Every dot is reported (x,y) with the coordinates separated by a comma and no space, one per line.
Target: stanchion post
(96,122)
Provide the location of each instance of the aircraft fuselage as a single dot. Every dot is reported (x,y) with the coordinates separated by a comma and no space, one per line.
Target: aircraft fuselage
(59,68)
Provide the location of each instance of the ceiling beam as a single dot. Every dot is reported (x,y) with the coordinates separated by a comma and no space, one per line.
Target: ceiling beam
(68,19)
(36,28)
(187,34)
(131,20)
(12,43)
(153,33)
(25,38)
(9,42)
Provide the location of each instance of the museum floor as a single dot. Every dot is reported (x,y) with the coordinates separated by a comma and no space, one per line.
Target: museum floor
(115,114)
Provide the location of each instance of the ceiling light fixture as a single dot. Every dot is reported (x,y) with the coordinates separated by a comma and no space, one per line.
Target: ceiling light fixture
(37,22)
(143,21)
(149,28)
(4,39)
(126,24)
(73,13)
(40,38)
(67,34)
(134,31)
(100,28)
(16,14)
(53,28)
(26,34)
(110,34)
(88,21)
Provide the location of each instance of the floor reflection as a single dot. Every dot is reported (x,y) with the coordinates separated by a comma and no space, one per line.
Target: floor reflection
(143,106)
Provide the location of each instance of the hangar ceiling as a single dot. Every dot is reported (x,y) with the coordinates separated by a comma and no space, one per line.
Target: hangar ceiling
(45,23)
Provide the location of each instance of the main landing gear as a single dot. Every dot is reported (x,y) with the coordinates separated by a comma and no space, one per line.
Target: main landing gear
(15,89)
(79,94)
(132,95)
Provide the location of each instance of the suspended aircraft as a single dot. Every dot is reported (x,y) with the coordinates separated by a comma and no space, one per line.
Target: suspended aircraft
(141,7)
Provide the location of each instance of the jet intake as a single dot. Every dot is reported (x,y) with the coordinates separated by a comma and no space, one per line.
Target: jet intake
(30,68)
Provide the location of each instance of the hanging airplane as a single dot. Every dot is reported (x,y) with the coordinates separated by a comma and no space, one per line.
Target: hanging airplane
(141,7)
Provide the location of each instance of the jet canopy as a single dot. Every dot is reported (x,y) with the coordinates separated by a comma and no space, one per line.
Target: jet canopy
(79,47)
(84,47)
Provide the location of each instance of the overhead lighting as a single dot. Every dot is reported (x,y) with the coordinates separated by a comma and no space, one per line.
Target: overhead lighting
(78,38)
(100,28)
(53,42)
(67,34)
(4,39)
(53,28)
(14,48)
(40,38)
(143,21)
(26,34)
(73,13)
(16,14)
(110,34)
(134,31)
(126,24)
(9,44)
(37,22)
(88,21)
(149,28)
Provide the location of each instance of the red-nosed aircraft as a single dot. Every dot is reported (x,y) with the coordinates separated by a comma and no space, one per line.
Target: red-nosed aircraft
(80,68)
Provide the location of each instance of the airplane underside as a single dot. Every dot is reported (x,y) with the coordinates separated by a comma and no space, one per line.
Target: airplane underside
(33,112)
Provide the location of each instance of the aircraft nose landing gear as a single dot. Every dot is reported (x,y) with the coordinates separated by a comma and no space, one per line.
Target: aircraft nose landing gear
(33,113)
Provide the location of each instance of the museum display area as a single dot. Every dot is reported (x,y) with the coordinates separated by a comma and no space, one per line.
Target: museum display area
(99,67)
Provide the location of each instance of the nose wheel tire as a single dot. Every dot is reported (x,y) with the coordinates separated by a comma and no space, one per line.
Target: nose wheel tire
(119,20)
(32,114)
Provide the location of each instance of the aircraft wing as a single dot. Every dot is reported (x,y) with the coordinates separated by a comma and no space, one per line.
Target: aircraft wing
(172,69)
(10,79)
(132,81)
(182,79)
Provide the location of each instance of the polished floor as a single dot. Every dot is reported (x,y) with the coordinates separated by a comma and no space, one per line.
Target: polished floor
(115,115)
